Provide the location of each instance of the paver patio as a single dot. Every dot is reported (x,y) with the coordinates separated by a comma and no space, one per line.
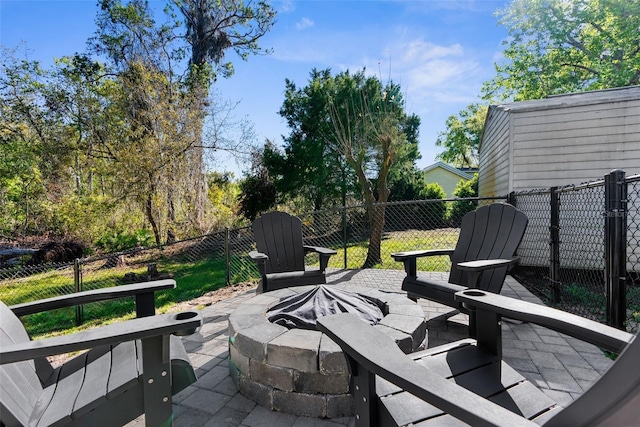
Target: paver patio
(561,366)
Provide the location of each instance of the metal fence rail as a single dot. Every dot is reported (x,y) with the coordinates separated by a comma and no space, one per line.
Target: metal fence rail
(563,251)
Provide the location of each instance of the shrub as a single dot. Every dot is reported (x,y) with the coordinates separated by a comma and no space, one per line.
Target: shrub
(458,208)
(433,214)
(120,240)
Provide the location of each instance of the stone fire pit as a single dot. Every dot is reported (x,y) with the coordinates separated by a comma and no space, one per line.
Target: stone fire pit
(303,372)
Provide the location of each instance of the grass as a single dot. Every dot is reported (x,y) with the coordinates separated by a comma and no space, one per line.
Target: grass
(401,242)
(193,280)
(580,299)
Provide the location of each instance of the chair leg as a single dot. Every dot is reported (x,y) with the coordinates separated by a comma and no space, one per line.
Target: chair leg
(156,369)
(365,398)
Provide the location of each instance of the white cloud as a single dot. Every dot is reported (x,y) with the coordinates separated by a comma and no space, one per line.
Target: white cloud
(429,73)
(304,23)
(286,6)
(419,50)
(438,72)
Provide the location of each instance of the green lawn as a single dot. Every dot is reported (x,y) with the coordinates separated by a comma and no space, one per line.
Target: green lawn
(193,280)
(400,242)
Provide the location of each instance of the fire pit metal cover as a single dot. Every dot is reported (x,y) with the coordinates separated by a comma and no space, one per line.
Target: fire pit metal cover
(301,311)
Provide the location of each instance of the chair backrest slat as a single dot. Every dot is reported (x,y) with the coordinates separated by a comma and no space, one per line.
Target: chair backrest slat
(490,232)
(279,235)
(19,383)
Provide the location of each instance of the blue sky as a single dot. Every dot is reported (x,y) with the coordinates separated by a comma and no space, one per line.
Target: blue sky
(439,51)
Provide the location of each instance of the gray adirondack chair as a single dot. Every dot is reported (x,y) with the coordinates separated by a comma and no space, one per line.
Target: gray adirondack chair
(484,253)
(132,367)
(466,382)
(281,252)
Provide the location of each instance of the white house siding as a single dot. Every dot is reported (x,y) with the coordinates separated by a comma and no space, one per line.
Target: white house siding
(494,158)
(560,141)
(570,145)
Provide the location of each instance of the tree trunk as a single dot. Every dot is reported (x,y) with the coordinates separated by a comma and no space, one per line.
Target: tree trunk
(376,220)
(201,92)
(375,214)
(171,210)
(171,217)
(149,213)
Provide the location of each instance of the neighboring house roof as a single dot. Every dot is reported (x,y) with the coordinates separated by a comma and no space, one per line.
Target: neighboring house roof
(462,174)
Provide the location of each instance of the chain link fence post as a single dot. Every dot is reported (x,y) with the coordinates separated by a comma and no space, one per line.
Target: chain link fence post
(344,235)
(554,244)
(77,280)
(615,238)
(227,255)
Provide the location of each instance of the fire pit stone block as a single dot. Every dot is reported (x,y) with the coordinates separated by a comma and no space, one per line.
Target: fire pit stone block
(331,359)
(273,376)
(297,349)
(252,342)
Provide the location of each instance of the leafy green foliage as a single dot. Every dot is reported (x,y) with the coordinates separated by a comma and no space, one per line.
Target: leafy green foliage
(84,142)
(118,241)
(309,167)
(464,189)
(215,26)
(257,191)
(317,166)
(433,214)
(560,46)
(348,133)
(461,140)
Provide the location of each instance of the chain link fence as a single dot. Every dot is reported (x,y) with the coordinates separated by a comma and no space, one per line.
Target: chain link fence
(562,252)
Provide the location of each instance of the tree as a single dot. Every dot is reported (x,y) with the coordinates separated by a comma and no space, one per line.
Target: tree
(154,127)
(223,195)
(212,28)
(560,46)
(257,191)
(35,147)
(308,168)
(215,26)
(462,138)
(368,130)
(405,180)
(121,142)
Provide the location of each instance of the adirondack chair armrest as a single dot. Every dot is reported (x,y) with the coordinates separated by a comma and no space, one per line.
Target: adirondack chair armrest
(261,260)
(586,330)
(371,351)
(184,323)
(258,256)
(144,293)
(487,264)
(475,268)
(409,258)
(320,250)
(401,256)
(323,253)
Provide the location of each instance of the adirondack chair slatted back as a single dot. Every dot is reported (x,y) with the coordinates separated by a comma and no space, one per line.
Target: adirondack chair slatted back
(20,386)
(279,235)
(490,232)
